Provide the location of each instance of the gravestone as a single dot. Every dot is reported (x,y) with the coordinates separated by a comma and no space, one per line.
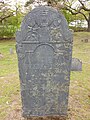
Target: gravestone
(76,65)
(11,51)
(44,49)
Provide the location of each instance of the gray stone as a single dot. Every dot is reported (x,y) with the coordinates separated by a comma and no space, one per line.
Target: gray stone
(44,49)
(76,64)
(11,51)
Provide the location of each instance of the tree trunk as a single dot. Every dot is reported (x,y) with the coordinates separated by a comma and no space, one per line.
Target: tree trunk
(88,23)
(88,26)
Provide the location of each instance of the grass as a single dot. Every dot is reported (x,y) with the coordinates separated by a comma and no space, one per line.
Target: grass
(9,81)
(79,100)
(9,62)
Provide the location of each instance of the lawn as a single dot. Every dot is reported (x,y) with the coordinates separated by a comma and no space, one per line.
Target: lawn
(79,99)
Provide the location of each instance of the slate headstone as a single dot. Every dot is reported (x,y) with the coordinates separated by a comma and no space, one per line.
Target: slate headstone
(44,49)
(76,64)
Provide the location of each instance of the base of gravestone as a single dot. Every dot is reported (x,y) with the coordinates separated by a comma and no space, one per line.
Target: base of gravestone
(47,118)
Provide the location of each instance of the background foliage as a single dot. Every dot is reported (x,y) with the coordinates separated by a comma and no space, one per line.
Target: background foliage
(10,19)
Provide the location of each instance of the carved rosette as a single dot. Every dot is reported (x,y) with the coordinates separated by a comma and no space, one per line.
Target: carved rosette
(51,22)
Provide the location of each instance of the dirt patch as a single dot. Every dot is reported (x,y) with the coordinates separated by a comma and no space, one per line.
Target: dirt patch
(16,115)
(47,118)
(7,38)
(1,56)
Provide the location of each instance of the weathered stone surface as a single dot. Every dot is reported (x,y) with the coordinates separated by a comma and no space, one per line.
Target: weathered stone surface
(44,48)
(76,65)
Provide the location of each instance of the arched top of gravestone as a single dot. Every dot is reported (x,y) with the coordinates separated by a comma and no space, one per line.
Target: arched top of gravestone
(45,24)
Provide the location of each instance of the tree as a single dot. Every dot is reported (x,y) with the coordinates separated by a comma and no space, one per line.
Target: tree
(73,6)
(10,18)
(82,7)
(5,11)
